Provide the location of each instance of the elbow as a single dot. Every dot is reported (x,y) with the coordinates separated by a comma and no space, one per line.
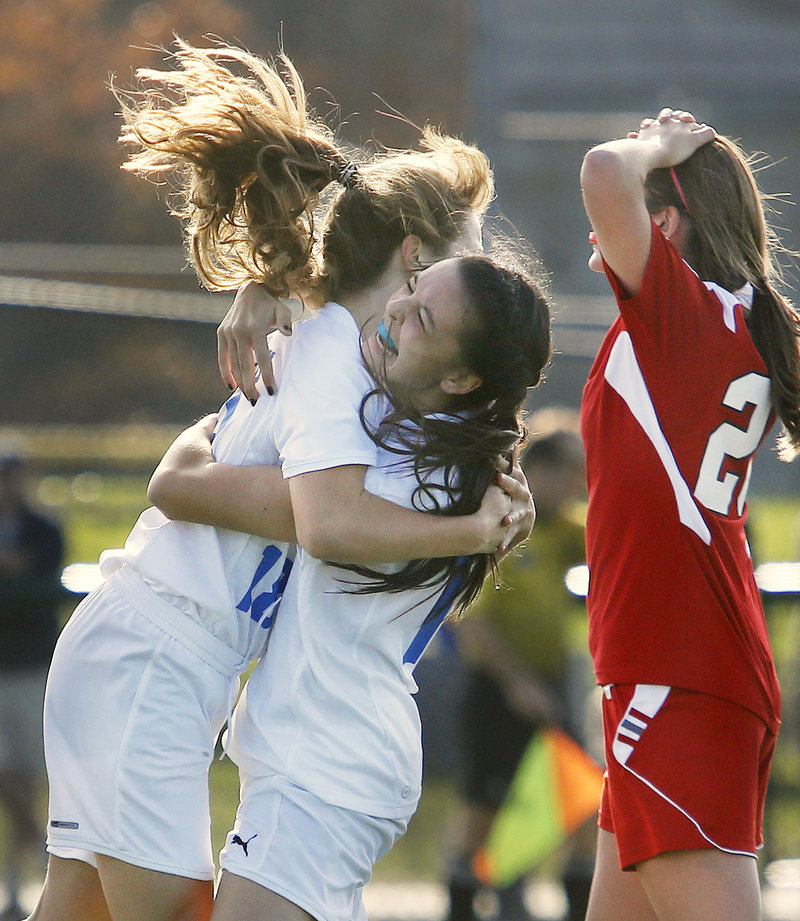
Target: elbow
(602,168)
(161,494)
(325,543)
(321,546)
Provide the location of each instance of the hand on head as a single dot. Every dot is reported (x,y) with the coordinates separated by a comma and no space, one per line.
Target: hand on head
(677,133)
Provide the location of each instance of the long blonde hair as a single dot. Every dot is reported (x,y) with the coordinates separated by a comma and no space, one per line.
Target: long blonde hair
(248,163)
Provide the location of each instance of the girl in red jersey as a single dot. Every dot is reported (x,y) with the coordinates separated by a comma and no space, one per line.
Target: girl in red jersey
(702,357)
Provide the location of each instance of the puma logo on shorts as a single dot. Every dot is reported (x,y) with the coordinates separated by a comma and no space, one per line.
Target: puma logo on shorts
(243,844)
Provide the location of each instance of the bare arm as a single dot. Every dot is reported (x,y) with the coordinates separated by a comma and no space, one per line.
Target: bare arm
(337,518)
(612,181)
(189,485)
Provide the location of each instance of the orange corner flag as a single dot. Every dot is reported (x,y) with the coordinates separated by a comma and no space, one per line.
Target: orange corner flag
(555,789)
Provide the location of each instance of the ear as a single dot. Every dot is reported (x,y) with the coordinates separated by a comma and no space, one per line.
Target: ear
(410,249)
(461,382)
(668,221)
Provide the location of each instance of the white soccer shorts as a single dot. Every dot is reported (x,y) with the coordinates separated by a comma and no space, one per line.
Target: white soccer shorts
(317,856)
(135,701)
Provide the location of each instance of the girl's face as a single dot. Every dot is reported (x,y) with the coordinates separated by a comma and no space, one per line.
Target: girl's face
(416,348)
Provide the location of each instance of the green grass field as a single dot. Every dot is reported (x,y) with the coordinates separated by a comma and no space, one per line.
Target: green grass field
(98,512)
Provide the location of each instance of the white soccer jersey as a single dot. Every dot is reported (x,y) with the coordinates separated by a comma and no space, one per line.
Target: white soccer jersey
(230,582)
(171,656)
(330,707)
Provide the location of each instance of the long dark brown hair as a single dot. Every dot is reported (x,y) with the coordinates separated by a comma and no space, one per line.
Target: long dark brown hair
(731,242)
(505,340)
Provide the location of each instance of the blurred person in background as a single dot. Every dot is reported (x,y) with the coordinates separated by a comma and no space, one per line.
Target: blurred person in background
(521,646)
(31,554)
(702,358)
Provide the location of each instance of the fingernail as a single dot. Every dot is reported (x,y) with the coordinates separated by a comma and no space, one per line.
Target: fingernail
(271,391)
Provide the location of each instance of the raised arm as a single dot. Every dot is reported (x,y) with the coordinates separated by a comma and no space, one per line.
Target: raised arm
(242,337)
(612,181)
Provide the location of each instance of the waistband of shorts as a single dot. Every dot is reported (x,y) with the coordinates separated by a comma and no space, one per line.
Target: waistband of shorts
(162,614)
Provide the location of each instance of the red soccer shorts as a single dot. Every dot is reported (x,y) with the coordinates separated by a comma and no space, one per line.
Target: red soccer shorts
(684,771)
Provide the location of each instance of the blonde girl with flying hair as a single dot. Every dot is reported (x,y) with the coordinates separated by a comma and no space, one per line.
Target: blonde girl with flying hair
(293,209)
(704,355)
(147,668)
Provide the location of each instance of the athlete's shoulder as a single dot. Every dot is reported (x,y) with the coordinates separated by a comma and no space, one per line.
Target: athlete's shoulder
(667,271)
(326,336)
(330,320)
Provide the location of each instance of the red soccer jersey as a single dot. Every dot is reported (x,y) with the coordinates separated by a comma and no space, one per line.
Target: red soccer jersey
(674,409)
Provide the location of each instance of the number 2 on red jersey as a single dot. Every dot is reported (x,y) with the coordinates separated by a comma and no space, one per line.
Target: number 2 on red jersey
(714,488)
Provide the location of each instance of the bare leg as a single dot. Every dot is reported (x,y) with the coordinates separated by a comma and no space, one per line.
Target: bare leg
(71,890)
(707,885)
(138,894)
(240,898)
(616,896)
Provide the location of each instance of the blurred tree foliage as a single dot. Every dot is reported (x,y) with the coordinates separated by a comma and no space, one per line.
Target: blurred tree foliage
(58,138)
(61,180)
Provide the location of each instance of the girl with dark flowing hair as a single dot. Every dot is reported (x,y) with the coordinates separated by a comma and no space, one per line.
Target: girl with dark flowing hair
(147,669)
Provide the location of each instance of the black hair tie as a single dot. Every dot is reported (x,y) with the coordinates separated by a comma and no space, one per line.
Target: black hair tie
(348,175)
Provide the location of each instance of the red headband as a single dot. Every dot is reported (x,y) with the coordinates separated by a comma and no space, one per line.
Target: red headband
(679,187)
